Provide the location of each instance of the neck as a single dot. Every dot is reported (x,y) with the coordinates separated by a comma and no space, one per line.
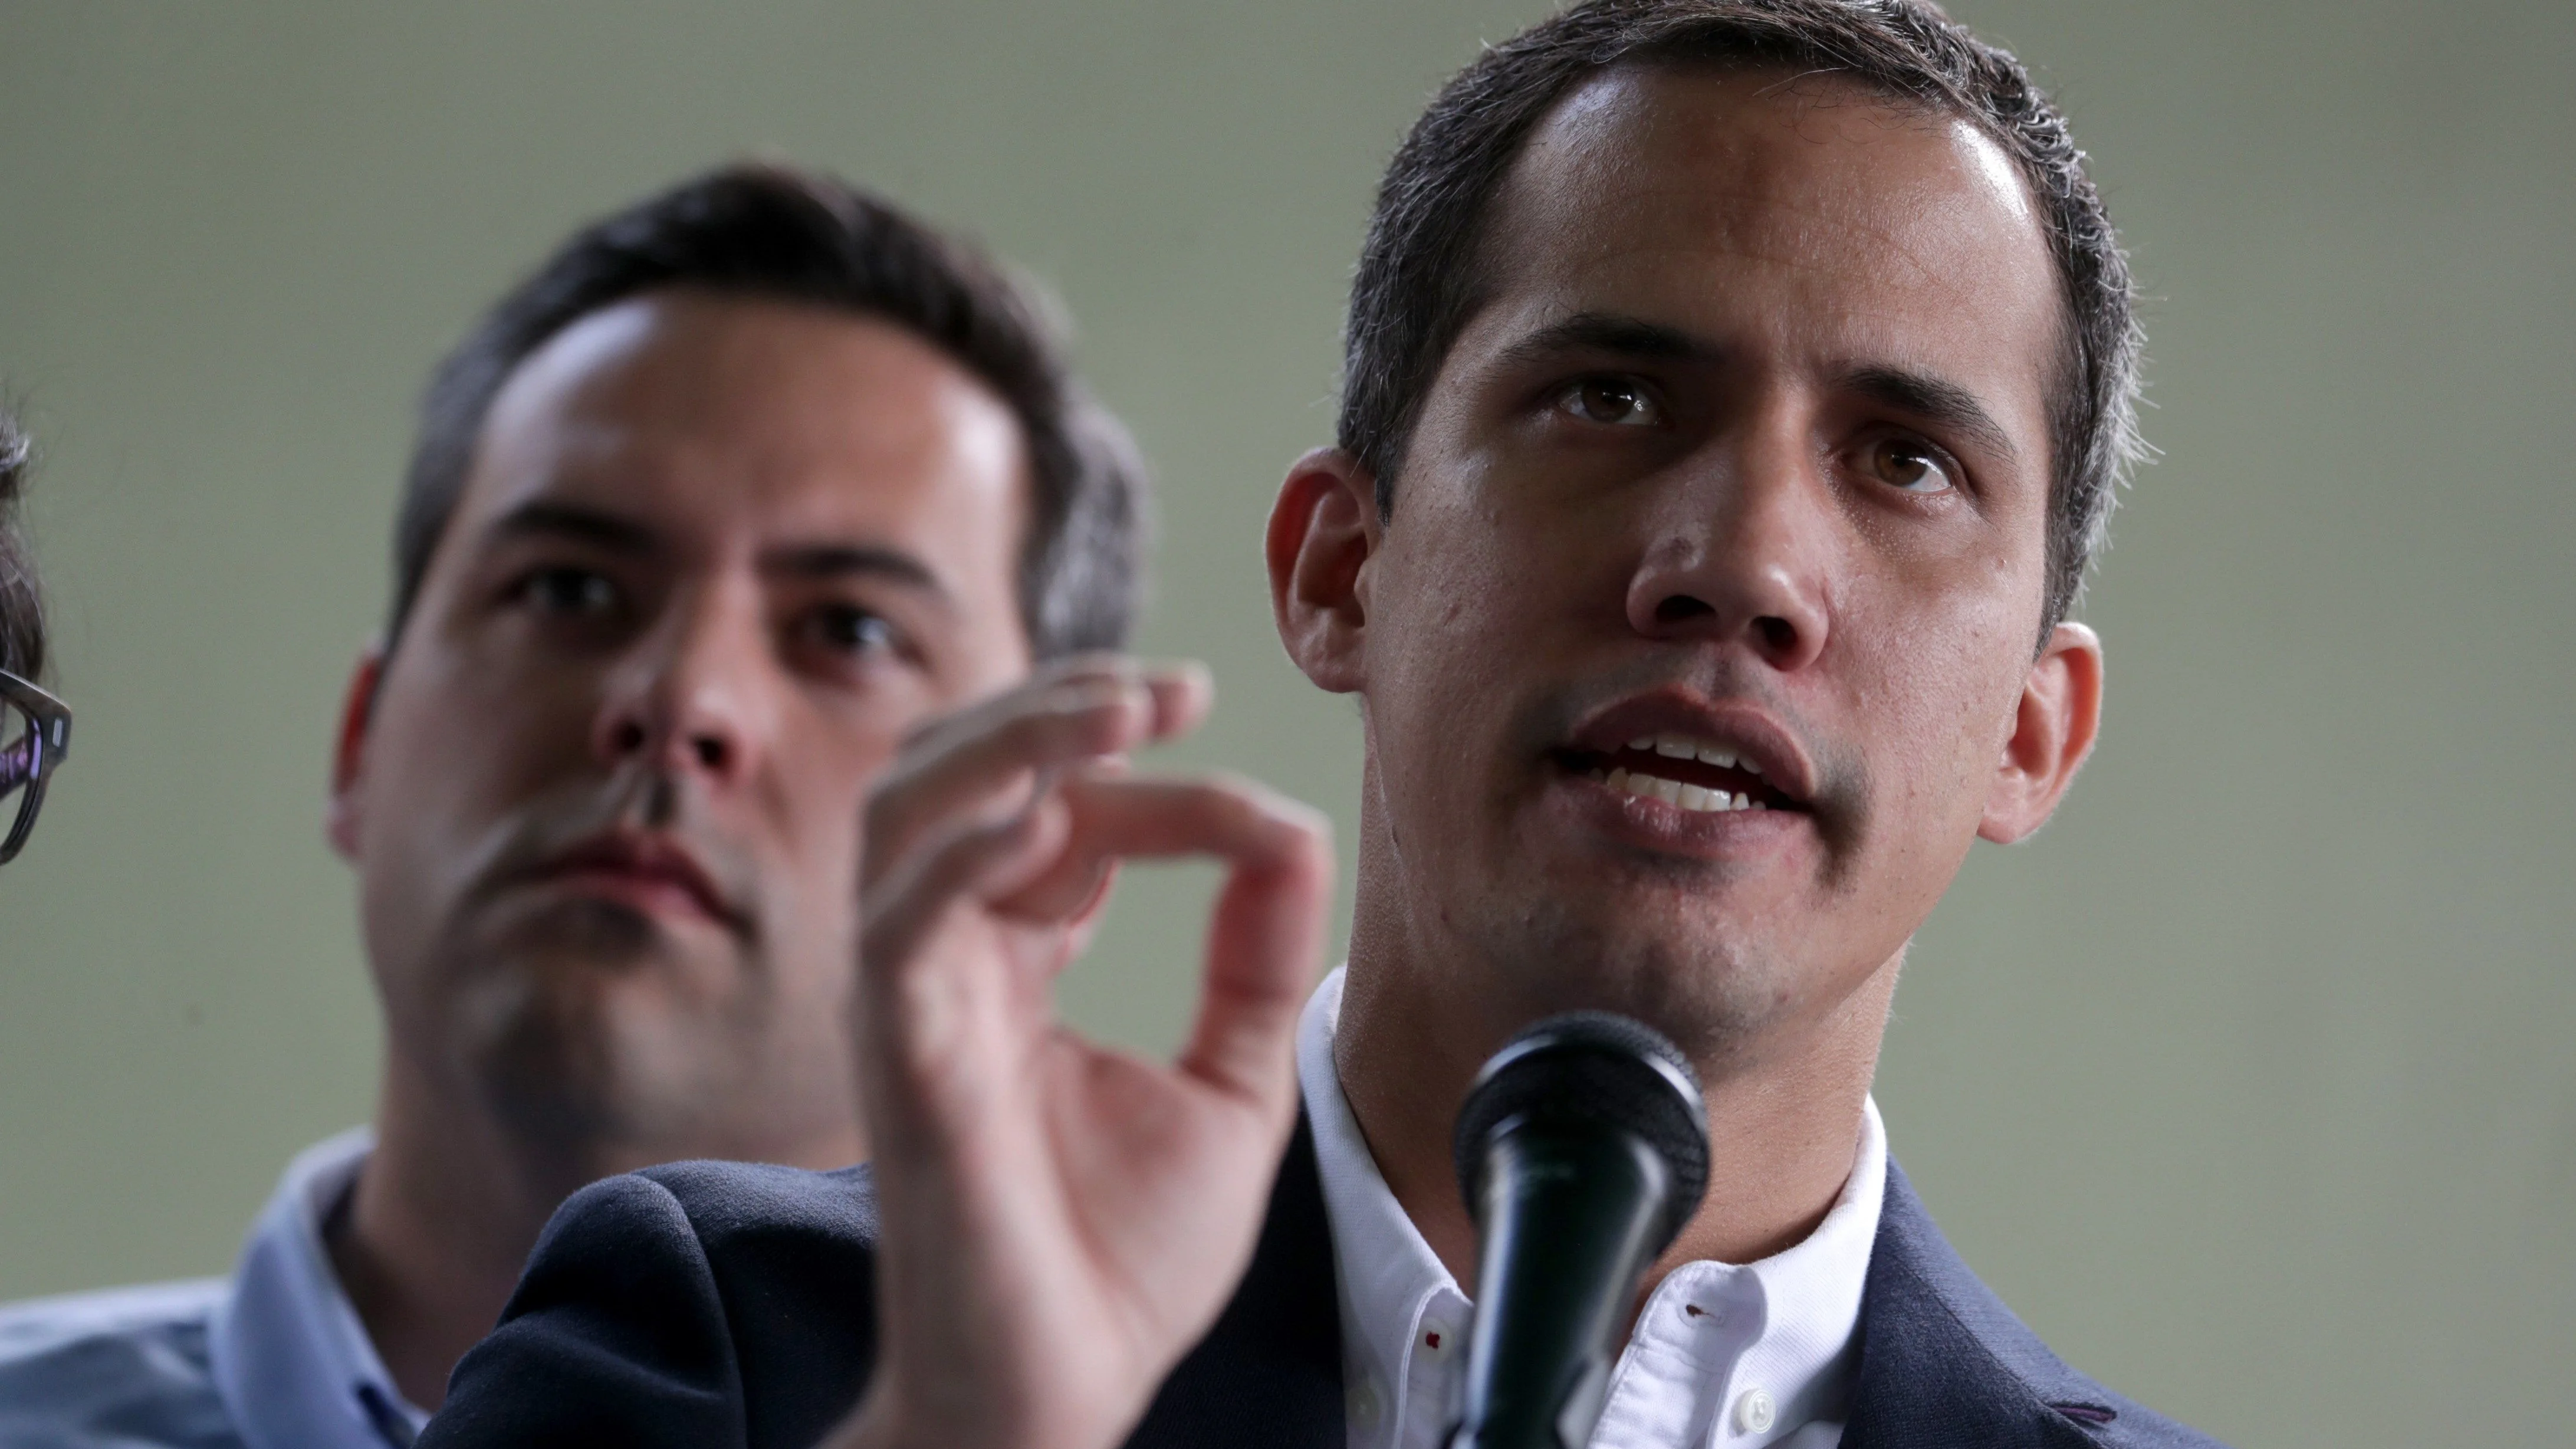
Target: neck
(449,1205)
(1784,1114)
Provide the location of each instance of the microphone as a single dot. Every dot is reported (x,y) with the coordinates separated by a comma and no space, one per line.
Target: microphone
(1582,1149)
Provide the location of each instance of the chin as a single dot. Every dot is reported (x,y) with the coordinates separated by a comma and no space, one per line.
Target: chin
(1705,984)
(572,934)
(594,1037)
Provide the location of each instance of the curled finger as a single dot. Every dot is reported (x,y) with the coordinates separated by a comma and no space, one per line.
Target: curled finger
(983,762)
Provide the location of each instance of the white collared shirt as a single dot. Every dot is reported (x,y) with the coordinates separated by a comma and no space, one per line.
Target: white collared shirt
(1724,1356)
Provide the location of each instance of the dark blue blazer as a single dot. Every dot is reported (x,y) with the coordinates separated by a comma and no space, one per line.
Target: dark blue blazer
(724,1306)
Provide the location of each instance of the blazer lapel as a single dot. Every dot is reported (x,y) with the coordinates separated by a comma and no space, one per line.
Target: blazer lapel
(1269,1374)
(1943,1361)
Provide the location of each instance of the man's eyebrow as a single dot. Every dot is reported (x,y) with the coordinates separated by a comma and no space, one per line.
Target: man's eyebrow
(1611,333)
(842,560)
(807,560)
(543,519)
(1944,404)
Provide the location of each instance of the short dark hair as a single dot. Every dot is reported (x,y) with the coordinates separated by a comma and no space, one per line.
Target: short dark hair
(780,233)
(22,612)
(1418,283)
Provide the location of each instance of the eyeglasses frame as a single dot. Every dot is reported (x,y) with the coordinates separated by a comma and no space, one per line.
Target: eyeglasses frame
(52,739)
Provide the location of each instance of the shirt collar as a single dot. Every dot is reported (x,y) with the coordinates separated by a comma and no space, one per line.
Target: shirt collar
(291,1358)
(1805,1299)
(1388,1276)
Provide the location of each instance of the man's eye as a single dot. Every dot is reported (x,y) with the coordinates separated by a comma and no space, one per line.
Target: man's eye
(1616,401)
(570,591)
(853,630)
(1911,467)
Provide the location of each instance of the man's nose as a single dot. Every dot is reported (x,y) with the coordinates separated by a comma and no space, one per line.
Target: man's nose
(1742,549)
(692,699)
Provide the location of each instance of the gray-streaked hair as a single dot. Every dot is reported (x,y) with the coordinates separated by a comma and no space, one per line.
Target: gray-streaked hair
(1418,283)
(22,609)
(783,234)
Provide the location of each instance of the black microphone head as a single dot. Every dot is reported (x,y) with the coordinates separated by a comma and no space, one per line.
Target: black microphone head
(1593,1067)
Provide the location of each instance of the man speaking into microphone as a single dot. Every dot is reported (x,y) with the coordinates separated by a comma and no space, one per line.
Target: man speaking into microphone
(1736,392)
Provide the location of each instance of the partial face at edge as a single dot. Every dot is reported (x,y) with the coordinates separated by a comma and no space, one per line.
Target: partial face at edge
(1747,459)
(717,556)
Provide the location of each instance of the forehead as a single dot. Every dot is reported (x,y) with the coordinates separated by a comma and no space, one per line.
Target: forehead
(718,413)
(1804,216)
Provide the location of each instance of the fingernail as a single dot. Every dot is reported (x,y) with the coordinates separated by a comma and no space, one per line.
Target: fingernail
(1091,694)
(1181,672)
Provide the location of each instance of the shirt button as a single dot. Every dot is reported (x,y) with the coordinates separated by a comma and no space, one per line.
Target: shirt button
(1364,1407)
(1755,1413)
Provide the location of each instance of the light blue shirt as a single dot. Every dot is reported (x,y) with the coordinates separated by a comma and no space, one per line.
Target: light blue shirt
(273,1357)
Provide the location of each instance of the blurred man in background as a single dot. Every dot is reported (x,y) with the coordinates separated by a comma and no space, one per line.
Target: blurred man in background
(706,516)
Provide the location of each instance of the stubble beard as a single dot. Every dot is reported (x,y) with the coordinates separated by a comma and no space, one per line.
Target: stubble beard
(590,1034)
(581,1043)
(1715,994)
(1712,978)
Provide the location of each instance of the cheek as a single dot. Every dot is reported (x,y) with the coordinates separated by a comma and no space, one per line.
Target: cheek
(492,700)
(450,746)
(818,797)
(1938,696)
(1492,586)
(1454,605)
(1496,553)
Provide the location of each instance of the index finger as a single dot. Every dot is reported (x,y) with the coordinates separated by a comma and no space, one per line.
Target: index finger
(964,764)
(1266,932)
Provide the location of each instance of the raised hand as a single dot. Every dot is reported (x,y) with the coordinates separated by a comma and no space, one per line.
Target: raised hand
(1061,1222)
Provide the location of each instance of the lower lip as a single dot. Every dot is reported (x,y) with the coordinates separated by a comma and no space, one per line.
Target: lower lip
(651,894)
(1651,824)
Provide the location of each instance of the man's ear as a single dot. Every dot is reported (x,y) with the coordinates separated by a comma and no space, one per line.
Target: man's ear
(341,821)
(2061,708)
(1323,530)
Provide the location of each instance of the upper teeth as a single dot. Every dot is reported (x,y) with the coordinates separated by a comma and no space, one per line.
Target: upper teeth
(1683,747)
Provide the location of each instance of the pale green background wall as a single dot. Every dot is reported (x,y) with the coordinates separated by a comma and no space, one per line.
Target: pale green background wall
(2245,1082)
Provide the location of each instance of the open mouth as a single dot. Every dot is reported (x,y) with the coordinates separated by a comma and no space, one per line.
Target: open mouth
(1684,771)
